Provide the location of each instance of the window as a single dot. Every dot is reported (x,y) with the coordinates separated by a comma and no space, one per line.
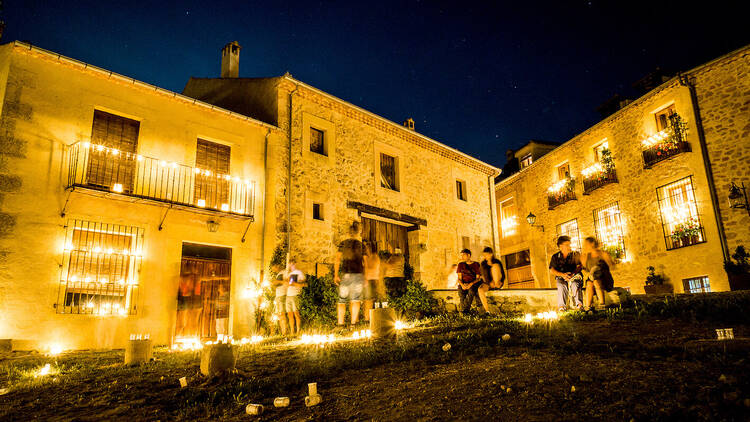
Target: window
(100,269)
(317,141)
(121,134)
(317,211)
(662,117)
(526,161)
(465,242)
(388,172)
(608,226)
(598,150)
(461,190)
(563,171)
(696,285)
(211,184)
(570,229)
(679,214)
(508,218)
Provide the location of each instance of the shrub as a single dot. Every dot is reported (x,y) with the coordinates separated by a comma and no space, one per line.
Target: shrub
(653,279)
(741,263)
(318,301)
(416,300)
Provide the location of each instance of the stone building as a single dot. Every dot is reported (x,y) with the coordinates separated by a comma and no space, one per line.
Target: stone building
(409,191)
(651,182)
(129,209)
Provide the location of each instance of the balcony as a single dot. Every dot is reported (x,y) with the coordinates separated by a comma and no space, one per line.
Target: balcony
(596,176)
(666,144)
(107,170)
(561,192)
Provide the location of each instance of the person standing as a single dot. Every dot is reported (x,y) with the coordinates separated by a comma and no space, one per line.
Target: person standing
(222,310)
(565,265)
(295,280)
(468,281)
(598,263)
(372,289)
(350,260)
(279,301)
(493,275)
(394,274)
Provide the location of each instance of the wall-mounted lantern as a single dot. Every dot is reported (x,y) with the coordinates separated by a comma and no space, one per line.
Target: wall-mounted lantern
(738,197)
(531,218)
(213,226)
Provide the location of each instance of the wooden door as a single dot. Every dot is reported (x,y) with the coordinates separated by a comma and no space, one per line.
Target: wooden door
(387,236)
(201,280)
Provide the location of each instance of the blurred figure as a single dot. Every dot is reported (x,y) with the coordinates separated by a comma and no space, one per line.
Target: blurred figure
(373,290)
(452,279)
(394,274)
(598,263)
(279,301)
(295,280)
(350,260)
(493,275)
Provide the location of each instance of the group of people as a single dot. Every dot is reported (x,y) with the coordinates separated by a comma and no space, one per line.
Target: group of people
(568,267)
(363,277)
(475,279)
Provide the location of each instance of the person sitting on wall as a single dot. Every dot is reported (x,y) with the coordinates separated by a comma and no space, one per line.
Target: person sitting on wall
(598,263)
(279,301)
(350,259)
(493,275)
(295,280)
(469,281)
(565,265)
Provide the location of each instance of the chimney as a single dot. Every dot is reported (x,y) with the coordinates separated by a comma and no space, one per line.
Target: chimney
(230,60)
(409,123)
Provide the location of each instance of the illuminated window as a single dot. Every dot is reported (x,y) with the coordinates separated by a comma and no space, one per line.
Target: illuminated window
(696,285)
(608,226)
(598,150)
(389,172)
(317,141)
(211,187)
(120,134)
(508,217)
(563,171)
(679,214)
(101,264)
(526,161)
(662,117)
(570,229)
(461,190)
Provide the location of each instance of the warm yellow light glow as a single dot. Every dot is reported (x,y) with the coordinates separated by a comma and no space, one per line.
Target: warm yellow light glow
(44,370)
(656,138)
(73,278)
(55,349)
(558,186)
(225,207)
(201,203)
(139,157)
(115,152)
(265,284)
(593,169)
(528,318)
(100,148)
(86,145)
(400,325)
(97,249)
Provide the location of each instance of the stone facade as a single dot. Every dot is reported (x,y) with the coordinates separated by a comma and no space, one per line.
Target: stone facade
(48,102)
(723,98)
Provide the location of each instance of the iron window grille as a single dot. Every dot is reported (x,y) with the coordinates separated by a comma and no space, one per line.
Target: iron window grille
(570,229)
(138,176)
(681,223)
(608,229)
(101,268)
(697,285)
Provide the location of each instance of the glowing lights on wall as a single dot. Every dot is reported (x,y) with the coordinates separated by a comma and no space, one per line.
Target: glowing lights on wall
(508,217)
(656,138)
(558,186)
(592,170)
(609,229)
(679,212)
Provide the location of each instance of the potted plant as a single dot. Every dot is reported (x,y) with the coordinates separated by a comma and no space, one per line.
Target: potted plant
(738,271)
(686,233)
(656,284)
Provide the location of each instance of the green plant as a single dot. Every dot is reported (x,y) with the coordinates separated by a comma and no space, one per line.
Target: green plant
(415,300)
(318,301)
(741,263)
(687,229)
(654,279)
(615,251)
(607,162)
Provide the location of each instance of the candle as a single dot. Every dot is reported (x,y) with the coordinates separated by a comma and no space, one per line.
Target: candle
(312,389)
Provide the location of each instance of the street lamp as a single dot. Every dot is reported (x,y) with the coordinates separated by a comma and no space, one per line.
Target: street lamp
(531,218)
(738,197)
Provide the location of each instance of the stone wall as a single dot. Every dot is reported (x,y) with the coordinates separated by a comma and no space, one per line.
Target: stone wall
(428,173)
(636,191)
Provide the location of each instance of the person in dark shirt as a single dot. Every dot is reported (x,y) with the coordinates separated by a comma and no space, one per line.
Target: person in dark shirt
(469,280)
(565,265)
(350,260)
(493,275)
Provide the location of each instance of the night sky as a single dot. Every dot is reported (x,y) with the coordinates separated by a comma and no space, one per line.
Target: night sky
(478,78)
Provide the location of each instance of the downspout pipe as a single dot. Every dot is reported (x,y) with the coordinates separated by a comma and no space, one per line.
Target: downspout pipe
(685,81)
(265,190)
(289,182)
(493,210)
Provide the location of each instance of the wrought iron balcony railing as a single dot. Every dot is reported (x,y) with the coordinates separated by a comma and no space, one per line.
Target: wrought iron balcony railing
(662,151)
(561,192)
(597,180)
(105,169)
(667,143)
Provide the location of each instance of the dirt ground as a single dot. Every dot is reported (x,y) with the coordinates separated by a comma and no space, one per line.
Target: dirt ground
(633,369)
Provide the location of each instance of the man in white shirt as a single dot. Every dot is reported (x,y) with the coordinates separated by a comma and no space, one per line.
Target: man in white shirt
(295,280)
